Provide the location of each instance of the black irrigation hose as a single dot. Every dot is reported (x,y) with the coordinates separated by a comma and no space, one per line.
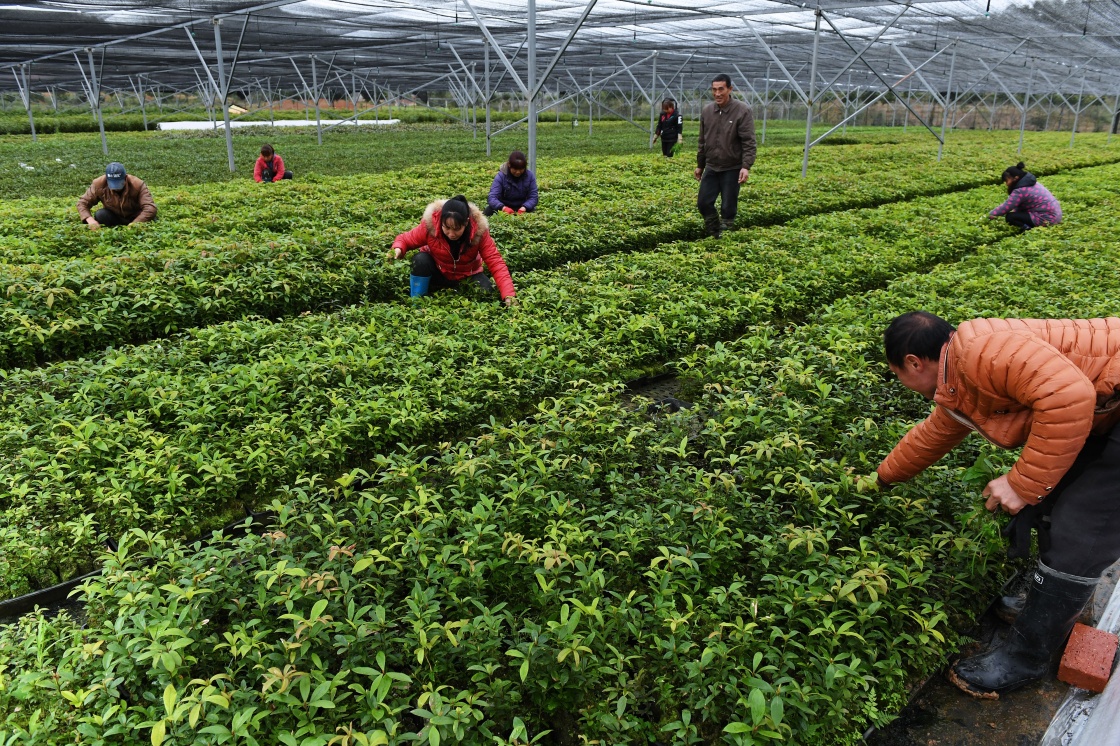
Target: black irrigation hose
(59,594)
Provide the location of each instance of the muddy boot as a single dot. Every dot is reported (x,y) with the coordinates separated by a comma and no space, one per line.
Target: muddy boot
(1008,608)
(1053,604)
(726,224)
(711,225)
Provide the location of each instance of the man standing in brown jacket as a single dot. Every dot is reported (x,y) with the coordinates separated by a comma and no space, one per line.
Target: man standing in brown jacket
(725,156)
(126,200)
(1051,386)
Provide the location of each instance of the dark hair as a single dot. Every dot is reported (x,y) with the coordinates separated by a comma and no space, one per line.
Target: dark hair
(517,160)
(916,333)
(669,102)
(455,212)
(1014,172)
(722,78)
(267,151)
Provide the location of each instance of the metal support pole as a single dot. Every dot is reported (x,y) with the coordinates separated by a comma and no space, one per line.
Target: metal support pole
(1077,111)
(25,96)
(766,103)
(532,85)
(945,108)
(812,93)
(223,90)
(1115,118)
(847,98)
(909,95)
(95,91)
(139,89)
(591,103)
(1026,105)
(315,85)
(652,106)
(489,93)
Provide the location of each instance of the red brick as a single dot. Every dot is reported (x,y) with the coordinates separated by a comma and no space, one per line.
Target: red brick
(1087,661)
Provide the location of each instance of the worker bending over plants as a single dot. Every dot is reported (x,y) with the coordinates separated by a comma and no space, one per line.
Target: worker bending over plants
(125,200)
(454,242)
(514,190)
(270,167)
(1051,386)
(1029,204)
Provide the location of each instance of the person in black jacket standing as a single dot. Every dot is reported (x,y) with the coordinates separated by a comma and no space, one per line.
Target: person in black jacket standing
(725,155)
(669,127)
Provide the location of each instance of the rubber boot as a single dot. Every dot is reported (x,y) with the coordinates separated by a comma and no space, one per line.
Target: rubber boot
(1054,602)
(711,225)
(418,285)
(1008,608)
(726,224)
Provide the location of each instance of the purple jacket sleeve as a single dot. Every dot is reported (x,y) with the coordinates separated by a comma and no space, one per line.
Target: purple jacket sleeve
(531,203)
(1010,205)
(495,198)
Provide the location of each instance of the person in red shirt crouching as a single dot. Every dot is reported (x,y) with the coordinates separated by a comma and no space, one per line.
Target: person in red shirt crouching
(270,167)
(454,242)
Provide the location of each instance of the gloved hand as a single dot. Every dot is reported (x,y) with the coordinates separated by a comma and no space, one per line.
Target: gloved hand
(1018,532)
(507,210)
(522,211)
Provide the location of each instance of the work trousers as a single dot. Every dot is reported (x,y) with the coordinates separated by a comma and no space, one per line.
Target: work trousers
(110,219)
(723,184)
(423,265)
(668,143)
(1084,511)
(1020,220)
(267,176)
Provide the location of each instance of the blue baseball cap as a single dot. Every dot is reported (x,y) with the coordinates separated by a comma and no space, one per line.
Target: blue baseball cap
(115,175)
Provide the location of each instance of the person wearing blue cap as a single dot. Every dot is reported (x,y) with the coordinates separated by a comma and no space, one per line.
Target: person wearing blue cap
(125,200)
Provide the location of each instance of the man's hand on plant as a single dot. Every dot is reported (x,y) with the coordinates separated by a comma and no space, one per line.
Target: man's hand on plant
(93,224)
(1000,494)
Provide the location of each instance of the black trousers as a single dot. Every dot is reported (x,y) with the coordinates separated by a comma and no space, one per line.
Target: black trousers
(722,184)
(110,219)
(1084,511)
(267,176)
(1019,220)
(424,266)
(668,142)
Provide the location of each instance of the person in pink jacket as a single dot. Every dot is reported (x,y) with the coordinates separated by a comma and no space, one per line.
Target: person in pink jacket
(1029,204)
(270,167)
(454,242)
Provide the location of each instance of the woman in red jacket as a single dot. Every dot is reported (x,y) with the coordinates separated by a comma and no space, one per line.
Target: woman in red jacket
(270,167)
(454,242)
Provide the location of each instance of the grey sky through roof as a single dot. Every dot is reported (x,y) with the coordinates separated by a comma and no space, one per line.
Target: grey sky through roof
(406,44)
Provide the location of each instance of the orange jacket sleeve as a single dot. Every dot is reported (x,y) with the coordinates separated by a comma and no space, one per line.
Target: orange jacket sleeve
(922,447)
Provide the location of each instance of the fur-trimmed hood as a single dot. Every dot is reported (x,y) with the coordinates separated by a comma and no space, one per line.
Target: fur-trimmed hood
(480,225)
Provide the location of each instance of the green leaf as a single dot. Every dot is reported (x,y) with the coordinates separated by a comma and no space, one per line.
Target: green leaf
(757,702)
(159,731)
(170,697)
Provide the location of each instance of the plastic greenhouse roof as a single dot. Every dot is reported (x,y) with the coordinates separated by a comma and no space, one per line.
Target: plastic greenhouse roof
(1052,46)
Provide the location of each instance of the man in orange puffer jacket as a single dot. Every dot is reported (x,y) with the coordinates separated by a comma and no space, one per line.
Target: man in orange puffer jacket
(1051,386)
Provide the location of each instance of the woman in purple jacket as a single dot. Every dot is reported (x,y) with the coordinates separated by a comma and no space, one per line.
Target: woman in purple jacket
(514,189)
(1029,204)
